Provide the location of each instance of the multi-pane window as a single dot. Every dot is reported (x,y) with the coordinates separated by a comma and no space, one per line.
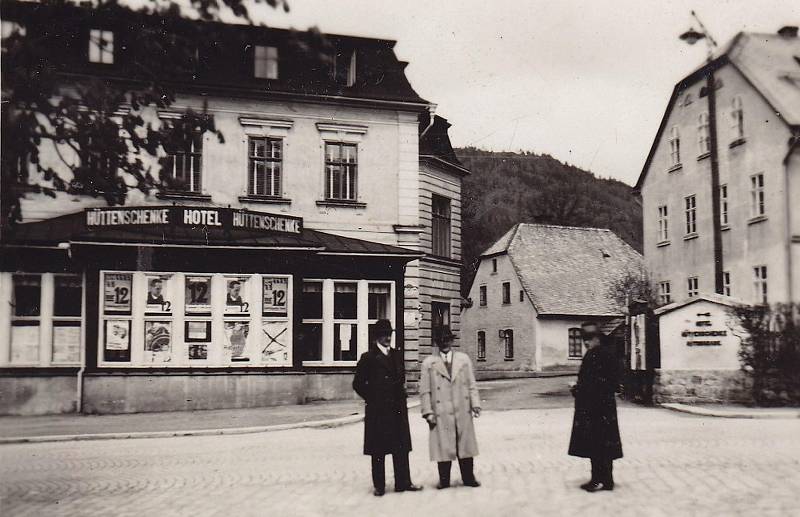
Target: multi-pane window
(507,338)
(265,62)
(575,343)
(311,334)
(440,225)
(726,283)
(440,319)
(101,46)
(26,318)
(737,118)
(481,345)
(723,205)
(760,284)
(703,134)
(341,170)
(345,321)
(675,146)
(663,223)
(344,67)
(664,293)
(183,165)
(757,202)
(691,215)
(693,287)
(67,312)
(482,291)
(265,158)
(506,293)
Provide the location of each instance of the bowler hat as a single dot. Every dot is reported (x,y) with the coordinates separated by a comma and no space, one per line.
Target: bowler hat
(382,328)
(445,335)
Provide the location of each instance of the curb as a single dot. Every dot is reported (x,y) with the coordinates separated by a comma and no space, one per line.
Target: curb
(314,424)
(721,413)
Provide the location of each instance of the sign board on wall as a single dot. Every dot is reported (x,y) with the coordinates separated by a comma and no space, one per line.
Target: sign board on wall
(191,216)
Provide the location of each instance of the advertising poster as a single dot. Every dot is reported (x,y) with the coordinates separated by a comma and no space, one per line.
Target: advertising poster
(118,335)
(117,291)
(275,342)
(158,341)
(66,343)
(236,333)
(25,344)
(235,298)
(197,294)
(198,335)
(275,295)
(157,294)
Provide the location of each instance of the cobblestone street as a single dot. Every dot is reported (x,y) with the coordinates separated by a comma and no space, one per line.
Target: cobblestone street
(674,465)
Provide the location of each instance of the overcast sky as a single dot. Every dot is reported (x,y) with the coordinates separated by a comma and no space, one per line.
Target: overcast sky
(586,82)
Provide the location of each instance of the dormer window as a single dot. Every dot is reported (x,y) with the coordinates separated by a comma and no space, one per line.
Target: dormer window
(344,68)
(101,46)
(265,62)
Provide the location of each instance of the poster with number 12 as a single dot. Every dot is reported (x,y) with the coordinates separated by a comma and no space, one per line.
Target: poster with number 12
(275,295)
(117,292)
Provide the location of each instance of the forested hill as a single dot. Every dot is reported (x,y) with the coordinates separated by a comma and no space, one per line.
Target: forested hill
(506,188)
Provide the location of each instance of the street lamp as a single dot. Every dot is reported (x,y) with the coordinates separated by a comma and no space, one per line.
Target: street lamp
(691,37)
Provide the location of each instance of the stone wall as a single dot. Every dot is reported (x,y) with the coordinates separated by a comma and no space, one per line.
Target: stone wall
(702,386)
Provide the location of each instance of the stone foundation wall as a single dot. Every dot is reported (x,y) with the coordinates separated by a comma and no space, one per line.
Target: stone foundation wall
(702,386)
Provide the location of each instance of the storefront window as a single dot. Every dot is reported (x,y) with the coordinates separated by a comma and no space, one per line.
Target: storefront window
(199,320)
(67,313)
(311,339)
(345,321)
(26,324)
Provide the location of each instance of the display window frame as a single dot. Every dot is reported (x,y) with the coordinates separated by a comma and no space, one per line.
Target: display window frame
(46,322)
(206,347)
(362,320)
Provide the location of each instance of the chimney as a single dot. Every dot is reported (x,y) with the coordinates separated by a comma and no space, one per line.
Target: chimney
(789,31)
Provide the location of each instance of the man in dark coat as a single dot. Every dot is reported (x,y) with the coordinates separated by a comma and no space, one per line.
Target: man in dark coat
(380,381)
(595,431)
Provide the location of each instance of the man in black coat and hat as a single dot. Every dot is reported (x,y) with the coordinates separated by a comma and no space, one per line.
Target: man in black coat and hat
(595,431)
(380,381)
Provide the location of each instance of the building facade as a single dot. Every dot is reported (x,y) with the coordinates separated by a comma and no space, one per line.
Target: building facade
(255,277)
(532,290)
(733,146)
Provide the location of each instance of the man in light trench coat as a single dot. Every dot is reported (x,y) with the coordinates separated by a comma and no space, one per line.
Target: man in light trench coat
(450,400)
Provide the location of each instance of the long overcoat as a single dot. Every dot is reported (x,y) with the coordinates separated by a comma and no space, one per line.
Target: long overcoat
(595,430)
(451,399)
(380,381)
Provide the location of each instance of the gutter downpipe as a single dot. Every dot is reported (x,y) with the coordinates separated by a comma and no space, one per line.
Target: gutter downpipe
(794,142)
(715,194)
(79,380)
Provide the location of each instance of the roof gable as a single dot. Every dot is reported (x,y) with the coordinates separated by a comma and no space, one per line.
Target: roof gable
(568,270)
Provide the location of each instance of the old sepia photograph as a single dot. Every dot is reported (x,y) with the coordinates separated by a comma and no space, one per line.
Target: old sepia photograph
(337,258)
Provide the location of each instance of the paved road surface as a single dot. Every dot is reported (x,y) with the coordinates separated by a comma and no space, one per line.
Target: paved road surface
(674,465)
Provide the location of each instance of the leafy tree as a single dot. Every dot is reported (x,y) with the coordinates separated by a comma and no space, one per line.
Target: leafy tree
(635,285)
(95,125)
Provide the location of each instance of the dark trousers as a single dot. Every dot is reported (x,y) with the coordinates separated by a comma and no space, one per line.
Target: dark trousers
(467,471)
(402,474)
(603,470)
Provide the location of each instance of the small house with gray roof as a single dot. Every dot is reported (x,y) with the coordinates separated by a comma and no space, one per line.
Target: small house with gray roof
(532,290)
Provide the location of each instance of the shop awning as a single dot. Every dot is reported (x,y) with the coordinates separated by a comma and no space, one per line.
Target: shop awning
(72,229)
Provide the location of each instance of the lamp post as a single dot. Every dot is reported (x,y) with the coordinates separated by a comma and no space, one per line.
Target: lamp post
(691,37)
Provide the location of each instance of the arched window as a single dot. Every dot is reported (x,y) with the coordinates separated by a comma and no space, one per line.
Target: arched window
(675,145)
(703,134)
(575,343)
(737,118)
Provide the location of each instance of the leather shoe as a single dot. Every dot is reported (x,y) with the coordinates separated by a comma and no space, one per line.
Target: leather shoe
(473,483)
(596,487)
(379,492)
(587,484)
(410,488)
(441,485)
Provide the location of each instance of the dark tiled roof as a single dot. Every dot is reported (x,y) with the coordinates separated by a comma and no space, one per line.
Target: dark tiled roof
(435,141)
(71,228)
(567,270)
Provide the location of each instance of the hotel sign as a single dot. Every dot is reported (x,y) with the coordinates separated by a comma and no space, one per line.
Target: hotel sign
(194,217)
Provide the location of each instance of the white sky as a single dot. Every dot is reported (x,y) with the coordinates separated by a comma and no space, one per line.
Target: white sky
(586,82)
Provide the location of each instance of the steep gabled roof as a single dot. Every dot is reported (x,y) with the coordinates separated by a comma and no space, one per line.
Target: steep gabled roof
(771,65)
(567,270)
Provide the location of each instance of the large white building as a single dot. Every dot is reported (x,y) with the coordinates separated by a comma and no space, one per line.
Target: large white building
(254,279)
(736,149)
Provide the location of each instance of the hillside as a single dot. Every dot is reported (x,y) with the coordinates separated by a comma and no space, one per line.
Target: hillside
(506,188)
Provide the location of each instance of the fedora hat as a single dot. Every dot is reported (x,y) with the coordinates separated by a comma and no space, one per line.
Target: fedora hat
(382,328)
(445,335)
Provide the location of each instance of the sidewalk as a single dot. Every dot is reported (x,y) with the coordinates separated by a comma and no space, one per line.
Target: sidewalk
(729,411)
(51,428)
